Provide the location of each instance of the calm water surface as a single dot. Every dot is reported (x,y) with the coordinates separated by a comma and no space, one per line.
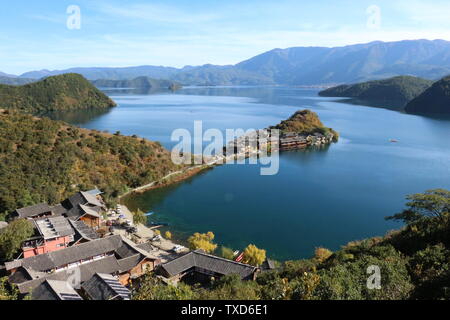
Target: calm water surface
(319,198)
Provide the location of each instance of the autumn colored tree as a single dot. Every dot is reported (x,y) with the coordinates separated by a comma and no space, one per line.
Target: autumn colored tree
(254,256)
(168,235)
(202,241)
(322,254)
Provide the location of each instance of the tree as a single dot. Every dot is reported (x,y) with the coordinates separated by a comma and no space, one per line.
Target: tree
(322,254)
(202,241)
(226,253)
(432,203)
(254,256)
(168,235)
(12,237)
(139,217)
(230,287)
(8,291)
(151,288)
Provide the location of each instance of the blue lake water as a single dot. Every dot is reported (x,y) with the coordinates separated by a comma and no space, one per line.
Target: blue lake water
(319,198)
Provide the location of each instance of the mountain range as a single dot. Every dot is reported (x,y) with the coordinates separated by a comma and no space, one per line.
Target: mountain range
(428,59)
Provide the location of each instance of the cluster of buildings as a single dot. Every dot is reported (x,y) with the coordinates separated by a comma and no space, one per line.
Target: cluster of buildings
(253,142)
(293,141)
(67,259)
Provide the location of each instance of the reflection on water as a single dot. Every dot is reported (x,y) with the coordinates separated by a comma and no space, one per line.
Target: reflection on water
(77,117)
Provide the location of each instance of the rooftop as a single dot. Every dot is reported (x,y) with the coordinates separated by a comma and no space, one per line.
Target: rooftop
(54,227)
(55,290)
(105,287)
(35,210)
(199,259)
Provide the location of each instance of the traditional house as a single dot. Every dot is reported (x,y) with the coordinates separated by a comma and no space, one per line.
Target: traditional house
(105,287)
(55,290)
(202,267)
(53,233)
(83,233)
(33,212)
(113,255)
(85,206)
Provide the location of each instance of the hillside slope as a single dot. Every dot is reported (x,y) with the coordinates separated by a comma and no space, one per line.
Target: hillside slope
(57,93)
(42,160)
(139,82)
(436,99)
(305,122)
(402,88)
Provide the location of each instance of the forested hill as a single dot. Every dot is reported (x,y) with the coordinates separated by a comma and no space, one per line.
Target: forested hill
(42,160)
(305,122)
(139,83)
(399,89)
(63,92)
(436,99)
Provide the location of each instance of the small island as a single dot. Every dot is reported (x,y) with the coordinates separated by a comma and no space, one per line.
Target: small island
(302,130)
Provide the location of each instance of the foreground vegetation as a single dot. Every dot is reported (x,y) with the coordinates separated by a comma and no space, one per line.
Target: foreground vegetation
(42,160)
(414,263)
(64,92)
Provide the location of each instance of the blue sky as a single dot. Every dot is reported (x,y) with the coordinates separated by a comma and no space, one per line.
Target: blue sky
(34,34)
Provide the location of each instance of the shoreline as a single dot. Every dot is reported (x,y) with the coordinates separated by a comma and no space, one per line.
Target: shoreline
(165,181)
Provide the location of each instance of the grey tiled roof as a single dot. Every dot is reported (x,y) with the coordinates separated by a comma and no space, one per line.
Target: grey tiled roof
(105,287)
(55,290)
(107,265)
(130,262)
(84,231)
(33,210)
(53,227)
(51,260)
(199,259)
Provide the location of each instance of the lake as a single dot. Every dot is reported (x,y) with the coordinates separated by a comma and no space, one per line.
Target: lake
(323,197)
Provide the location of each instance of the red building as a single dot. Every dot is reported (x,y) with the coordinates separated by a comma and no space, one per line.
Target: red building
(52,234)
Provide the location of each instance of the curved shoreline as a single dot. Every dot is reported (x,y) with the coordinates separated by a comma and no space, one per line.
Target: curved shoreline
(165,181)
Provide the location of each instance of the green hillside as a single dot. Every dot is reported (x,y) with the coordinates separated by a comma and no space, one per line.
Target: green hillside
(42,160)
(304,122)
(436,99)
(401,89)
(139,83)
(57,93)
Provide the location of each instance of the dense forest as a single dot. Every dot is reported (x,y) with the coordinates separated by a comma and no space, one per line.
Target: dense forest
(45,161)
(413,263)
(436,99)
(63,92)
(400,89)
(305,122)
